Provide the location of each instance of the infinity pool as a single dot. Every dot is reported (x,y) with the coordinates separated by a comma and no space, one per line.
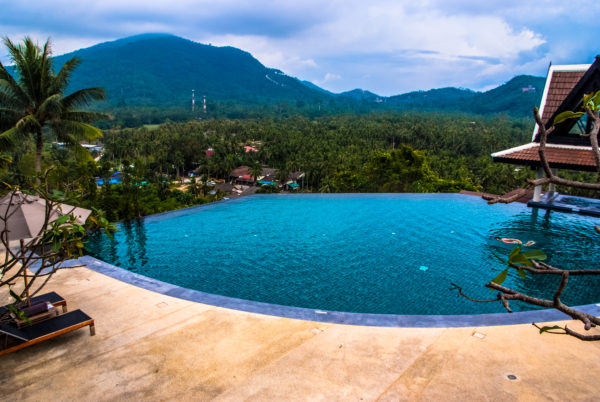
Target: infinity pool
(375,253)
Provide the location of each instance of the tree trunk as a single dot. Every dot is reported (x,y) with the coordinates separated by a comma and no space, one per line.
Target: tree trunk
(38,154)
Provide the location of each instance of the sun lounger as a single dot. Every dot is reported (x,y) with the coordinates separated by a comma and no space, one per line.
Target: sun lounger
(20,338)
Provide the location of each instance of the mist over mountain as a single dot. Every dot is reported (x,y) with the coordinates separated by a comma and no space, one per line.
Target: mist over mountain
(161,70)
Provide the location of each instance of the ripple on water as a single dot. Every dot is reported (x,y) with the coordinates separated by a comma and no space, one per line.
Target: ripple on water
(357,253)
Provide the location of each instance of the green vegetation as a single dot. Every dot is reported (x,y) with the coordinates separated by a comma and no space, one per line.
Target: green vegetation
(36,100)
(383,152)
(149,80)
(362,152)
(351,142)
(345,153)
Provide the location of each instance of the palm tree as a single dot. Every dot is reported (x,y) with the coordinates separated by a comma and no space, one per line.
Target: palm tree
(255,170)
(36,100)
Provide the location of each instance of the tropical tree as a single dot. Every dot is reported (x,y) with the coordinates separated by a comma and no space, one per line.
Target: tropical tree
(59,239)
(34,102)
(255,170)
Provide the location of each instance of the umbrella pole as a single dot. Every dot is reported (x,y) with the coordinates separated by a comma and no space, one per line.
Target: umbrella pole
(25,273)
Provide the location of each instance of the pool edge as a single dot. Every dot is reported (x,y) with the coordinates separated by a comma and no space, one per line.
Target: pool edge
(334,317)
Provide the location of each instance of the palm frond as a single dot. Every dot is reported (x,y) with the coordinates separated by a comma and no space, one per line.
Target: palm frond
(28,125)
(7,101)
(10,86)
(81,153)
(29,70)
(51,108)
(9,117)
(61,79)
(7,139)
(5,160)
(47,72)
(83,97)
(69,131)
(14,50)
(10,110)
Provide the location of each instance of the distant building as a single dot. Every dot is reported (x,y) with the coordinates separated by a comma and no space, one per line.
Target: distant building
(89,147)
(241,175)
(528,88)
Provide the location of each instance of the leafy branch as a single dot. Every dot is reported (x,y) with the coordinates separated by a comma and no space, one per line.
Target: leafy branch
(532,261)
(34,261)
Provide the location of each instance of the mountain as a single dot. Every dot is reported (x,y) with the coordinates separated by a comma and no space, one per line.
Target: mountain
(160,70)
(442,98)
(362,95)
(318,88)
(516,97)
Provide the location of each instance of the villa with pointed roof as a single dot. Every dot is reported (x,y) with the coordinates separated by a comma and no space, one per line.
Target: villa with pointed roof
(566,147)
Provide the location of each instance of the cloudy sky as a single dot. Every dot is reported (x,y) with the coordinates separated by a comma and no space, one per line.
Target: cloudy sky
(388,47)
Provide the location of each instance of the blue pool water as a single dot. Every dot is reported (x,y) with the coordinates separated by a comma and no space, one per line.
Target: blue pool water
(375,253)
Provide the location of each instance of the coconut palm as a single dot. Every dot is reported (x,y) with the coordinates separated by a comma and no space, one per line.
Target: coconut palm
(34,103)
(255,170)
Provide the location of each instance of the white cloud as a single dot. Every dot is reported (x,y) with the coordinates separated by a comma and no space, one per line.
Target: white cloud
(394,31)
(388,46)
(328,78)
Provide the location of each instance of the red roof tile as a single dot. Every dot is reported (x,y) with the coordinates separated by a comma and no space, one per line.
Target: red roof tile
(240,171)
(561,84)
(578,158)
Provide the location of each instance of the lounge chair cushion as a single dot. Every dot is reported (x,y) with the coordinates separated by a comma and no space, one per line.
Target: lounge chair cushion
(37,308)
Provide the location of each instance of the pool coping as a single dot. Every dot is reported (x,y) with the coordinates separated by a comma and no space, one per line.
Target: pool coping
(335,317)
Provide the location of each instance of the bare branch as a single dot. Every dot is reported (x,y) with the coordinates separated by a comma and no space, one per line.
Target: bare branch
(543,138)
(505,303)
(540,268)
(593,116)
(461,293)
(582,336)
(512,198)
(563,284)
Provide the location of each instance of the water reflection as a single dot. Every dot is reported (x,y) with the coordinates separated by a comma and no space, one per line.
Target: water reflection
(361,254)
(135,237)
(568,240)
(130,240)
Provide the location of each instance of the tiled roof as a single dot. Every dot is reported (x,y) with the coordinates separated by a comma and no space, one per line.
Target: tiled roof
(240,171)
(564,89)
(561,84)
(561,157)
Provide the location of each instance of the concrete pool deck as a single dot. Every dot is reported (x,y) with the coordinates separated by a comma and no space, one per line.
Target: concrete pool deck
(150,346)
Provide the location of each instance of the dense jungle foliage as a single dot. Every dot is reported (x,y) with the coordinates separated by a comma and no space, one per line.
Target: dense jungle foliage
(405,152)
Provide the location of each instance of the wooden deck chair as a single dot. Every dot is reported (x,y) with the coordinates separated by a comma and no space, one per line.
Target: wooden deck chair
(20,338)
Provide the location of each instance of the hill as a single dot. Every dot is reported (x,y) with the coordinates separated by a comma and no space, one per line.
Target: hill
(160,70)
(516,97)
(362,95)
